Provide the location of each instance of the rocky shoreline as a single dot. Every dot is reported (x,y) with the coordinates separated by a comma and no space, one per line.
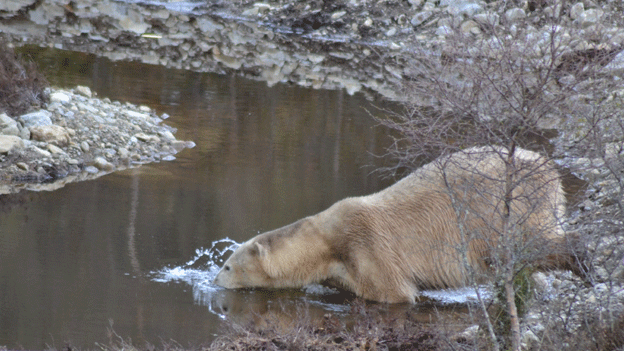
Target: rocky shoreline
(78,136)
(356,45)
(359,46)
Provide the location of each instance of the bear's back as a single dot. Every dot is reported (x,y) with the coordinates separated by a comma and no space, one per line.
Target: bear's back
(416,230)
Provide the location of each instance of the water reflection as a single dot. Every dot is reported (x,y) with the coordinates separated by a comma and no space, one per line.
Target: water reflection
(74,259)
(285,309)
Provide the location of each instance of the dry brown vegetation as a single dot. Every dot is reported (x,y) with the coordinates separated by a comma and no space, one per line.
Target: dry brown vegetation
(369,332)
(21,84)
(511,89)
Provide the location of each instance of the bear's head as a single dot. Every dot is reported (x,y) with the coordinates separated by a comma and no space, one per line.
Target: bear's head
(245,268)
(288,257)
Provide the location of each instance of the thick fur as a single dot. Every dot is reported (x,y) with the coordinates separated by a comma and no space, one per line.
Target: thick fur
(439,227)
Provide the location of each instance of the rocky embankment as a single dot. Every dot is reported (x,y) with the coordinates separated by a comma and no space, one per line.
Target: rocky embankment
(355,45)
(78,136)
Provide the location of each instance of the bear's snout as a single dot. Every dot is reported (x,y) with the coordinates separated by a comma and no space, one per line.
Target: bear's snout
(218,280)
(224,279)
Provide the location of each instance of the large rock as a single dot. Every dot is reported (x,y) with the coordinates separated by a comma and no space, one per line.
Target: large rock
(14,5)
(84,91)
(421,17)
(208,26)
(470,26)
(489,18)
(464,8)
(101,163)
(515,14)
(8,125)
(38,118)
(133,22)
(46,13)
(60,97)
(51,134)
(576,10)
(9,143)
(589,17)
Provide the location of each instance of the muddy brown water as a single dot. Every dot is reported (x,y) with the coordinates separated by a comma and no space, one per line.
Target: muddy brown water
(79,260)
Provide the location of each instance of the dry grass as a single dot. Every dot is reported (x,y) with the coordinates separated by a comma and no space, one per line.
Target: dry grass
(368,332)
(21,85)
(594,335)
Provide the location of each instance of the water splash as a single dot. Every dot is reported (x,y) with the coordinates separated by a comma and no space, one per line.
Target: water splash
(459,295)
(200,271)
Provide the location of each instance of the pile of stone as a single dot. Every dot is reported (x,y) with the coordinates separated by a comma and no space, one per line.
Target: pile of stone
(77,133)
(342,44)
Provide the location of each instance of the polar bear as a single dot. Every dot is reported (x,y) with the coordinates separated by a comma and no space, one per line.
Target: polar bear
(439,227)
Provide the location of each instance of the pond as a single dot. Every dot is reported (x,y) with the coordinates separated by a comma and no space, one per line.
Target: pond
(94,256)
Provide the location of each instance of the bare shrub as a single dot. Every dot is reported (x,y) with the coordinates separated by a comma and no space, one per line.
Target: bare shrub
(21,85)
(508,88)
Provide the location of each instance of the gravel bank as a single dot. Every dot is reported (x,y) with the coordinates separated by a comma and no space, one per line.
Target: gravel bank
(78,136)
(356,45)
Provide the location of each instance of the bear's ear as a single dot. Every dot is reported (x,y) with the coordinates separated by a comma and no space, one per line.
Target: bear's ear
(260,249)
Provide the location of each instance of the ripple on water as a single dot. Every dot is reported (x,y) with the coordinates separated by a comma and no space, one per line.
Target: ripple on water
(200,271)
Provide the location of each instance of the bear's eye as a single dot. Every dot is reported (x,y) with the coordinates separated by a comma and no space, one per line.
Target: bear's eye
(227,268)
